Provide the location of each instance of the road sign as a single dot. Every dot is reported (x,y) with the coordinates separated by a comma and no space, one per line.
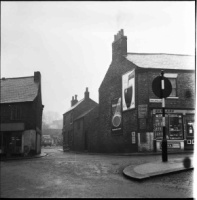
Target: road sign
(156,87)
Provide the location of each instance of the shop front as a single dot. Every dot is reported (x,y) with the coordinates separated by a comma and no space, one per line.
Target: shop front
(179,129)
(15,140)
(11,138)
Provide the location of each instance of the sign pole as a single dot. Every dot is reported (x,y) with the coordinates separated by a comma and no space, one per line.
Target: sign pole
(164,141)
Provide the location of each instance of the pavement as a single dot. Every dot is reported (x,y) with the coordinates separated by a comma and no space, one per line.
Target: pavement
(22,158)
(159,168)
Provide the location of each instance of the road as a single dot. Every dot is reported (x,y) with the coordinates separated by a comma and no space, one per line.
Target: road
(68,175)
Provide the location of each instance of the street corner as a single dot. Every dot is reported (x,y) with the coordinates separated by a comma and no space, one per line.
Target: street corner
(130,173)
(160,168)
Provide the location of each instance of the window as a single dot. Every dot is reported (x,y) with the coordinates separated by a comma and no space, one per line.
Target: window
(174,89)
(173,79)
(16,112)
(174,129)
(175,126)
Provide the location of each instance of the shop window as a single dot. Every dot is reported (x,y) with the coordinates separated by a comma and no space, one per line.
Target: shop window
(158,127)
(174,126)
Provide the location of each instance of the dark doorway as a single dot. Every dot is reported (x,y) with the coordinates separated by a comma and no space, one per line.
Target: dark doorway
(11,143)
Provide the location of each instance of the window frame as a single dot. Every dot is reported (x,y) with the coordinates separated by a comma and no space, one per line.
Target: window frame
(171,76)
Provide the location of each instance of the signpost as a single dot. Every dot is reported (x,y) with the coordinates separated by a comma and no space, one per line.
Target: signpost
(162,88)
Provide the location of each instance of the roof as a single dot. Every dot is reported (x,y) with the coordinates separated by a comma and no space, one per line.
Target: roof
(14,90)
(162,60)
(84,114)
(71,108)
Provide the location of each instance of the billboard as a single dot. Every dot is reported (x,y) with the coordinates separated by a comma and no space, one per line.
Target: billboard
(116,119)
(128,90)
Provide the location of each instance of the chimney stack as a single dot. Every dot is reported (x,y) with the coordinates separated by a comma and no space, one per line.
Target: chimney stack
(74,101)
(86,94)
(37,77)
(119,45)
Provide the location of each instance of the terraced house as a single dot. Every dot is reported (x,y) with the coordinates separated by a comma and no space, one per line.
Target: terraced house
(79,127)
(21,115)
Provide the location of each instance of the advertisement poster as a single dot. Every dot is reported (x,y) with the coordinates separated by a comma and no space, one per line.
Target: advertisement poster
(128,90)
(116,115)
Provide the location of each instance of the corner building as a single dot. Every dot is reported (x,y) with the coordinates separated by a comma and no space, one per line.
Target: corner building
(130,114)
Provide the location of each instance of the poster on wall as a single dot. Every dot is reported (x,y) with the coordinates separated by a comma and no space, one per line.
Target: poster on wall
(116,115)
(128,90)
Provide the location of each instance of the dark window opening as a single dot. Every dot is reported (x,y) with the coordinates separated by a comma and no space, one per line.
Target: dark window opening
(16,113)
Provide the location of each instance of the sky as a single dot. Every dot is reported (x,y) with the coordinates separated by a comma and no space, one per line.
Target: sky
(70,43)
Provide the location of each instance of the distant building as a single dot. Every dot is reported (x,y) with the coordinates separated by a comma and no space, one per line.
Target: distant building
(21,115)
(47,140)
(77,123)
(130,117)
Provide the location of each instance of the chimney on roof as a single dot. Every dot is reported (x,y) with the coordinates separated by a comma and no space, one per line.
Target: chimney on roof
(119,45)
(74,101)
(37,77)
(86,94)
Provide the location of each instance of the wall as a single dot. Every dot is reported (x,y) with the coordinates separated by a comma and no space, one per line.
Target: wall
(79,135)
(30,139)
(84,106)
(28,114)
(92,128)
(111,88)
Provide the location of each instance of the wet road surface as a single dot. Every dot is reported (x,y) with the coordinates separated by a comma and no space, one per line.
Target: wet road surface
(67,175)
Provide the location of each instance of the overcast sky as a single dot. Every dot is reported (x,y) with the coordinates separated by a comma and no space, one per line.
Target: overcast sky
(70,42)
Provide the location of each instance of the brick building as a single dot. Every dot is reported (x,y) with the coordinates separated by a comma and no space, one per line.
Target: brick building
(21,115)
(78,127)
(130,113)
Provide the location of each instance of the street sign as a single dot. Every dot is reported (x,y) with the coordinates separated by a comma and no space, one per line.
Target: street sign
(156,87)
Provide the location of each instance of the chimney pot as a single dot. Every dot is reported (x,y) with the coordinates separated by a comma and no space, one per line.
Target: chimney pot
(86,93)
(75,97)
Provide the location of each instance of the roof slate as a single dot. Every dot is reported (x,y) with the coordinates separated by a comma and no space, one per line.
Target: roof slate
(162,61)
(21,89)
